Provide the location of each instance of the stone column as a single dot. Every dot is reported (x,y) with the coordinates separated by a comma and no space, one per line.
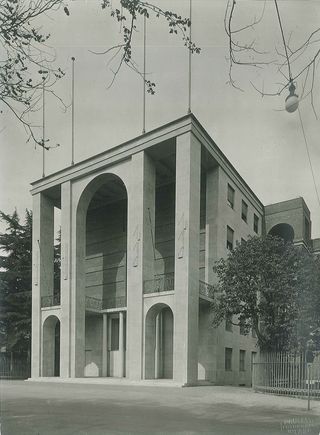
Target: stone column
(187,230)
(77,302)
(121,344)
(104,345)
(65,286)
(42,271)
(140,266)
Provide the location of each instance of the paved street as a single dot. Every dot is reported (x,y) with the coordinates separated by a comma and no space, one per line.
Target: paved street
(60,408)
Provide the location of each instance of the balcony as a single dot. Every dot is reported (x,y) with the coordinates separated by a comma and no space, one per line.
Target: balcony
(96,304)
(206,290)
(165,283)
(114,302)
(162,283)
(50,300)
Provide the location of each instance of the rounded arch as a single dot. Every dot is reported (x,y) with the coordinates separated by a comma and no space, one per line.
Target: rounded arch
(159,342)
(93,186)
(101,252)
(51,346)
(285,231)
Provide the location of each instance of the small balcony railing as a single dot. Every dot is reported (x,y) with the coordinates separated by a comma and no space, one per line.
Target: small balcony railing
(206,289)
(114,302)
(50,300)
(104,304)
(93,303)
(162,283)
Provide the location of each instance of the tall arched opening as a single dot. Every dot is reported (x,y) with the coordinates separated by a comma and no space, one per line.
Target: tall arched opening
(103,207)
(285,231)
(159,342)
(51,347)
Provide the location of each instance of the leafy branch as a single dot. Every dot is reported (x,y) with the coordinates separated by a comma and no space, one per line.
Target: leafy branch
(130,10)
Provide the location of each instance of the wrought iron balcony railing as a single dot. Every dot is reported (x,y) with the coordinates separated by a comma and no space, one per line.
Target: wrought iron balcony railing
(114,302)
(50,300)
(162,283)
(103,304)
(93,303)
(206,289)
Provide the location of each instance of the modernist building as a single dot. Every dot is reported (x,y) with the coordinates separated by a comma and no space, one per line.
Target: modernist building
(141,227)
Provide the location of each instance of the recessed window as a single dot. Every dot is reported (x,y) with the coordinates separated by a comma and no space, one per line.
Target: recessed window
(242,360)
(243,240)
(230,237)
(230,197)
(244,211)
(255,223)
(229,323)
(254,334)
(228,359)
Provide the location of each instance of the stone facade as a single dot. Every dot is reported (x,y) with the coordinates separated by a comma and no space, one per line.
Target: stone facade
(141,227)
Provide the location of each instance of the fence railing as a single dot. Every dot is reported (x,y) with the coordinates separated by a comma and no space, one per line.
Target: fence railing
(206,289)
(287,374)
(106,303)
(50,301)
(164,283)
(14,365)
(161,283)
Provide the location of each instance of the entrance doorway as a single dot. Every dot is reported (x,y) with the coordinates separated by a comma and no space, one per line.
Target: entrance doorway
(159,343)
(51,347)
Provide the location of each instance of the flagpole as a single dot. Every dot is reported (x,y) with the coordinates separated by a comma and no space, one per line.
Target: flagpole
(190,35)
(144,75)
(43,128)
(72,108)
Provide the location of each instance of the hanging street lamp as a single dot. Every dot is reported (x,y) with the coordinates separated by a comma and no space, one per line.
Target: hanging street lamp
(292,100)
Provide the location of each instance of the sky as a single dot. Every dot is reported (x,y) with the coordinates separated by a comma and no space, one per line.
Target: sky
(262,140)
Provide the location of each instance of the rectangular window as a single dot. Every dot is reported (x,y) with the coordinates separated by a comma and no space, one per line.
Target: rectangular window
(243,240)
(115,334)
(306,230)
(244,211)
(228,359)
(254,335)
(230,235)
(242,360)
(255,223)
(229,323)
(230,198)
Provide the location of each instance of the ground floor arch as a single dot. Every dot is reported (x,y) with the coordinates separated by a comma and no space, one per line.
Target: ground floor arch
(159,342)
(51,347)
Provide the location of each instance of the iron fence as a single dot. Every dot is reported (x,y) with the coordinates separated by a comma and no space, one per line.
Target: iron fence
(160,283)
(15,365)
(287,374)
(50,300)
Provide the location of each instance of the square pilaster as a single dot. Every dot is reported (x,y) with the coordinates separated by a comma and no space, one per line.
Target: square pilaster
(186,283)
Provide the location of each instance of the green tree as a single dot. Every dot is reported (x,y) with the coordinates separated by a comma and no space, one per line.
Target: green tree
(269,286)
(15,281)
